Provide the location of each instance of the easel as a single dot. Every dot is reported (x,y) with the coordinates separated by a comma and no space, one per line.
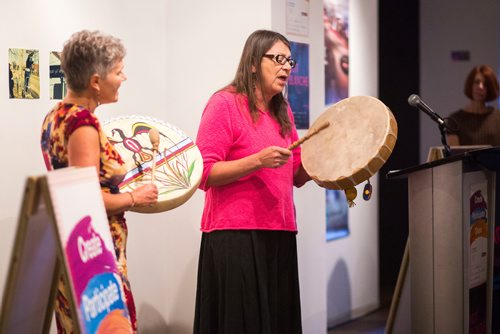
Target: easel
(34,266)
(39,258)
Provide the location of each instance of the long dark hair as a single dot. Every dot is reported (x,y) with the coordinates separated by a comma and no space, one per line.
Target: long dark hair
(245,80)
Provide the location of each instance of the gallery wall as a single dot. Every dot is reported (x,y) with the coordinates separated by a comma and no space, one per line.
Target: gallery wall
(179,53)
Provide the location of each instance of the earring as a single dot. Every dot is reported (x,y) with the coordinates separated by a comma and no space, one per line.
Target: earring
(98,98)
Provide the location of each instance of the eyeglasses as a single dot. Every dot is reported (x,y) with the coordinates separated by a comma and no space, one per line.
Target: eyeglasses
(282,60)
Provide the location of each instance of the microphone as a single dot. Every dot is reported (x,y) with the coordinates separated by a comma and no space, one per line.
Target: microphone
(415,101)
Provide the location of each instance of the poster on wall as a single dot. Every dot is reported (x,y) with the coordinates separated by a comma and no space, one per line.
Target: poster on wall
(336,32)
(297,17)
(336,28)
(336,215)
(298,85)
(56,77)
(24,74)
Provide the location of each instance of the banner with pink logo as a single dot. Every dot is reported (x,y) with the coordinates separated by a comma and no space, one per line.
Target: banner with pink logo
(478,258)
(88,251)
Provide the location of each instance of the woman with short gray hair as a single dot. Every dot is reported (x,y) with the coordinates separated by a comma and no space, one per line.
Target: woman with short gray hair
(92,63)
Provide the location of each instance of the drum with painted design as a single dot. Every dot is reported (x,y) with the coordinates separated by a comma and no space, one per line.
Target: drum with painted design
(179,164)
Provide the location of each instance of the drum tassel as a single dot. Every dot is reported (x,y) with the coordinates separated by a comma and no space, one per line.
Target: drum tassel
(350,194)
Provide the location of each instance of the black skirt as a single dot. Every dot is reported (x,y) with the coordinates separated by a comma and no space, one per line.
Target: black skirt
(248,283)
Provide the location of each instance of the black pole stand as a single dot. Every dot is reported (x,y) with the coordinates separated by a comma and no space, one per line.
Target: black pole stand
(444,141)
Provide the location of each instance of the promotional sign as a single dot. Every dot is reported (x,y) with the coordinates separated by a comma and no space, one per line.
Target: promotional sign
(478,258)
(88,251)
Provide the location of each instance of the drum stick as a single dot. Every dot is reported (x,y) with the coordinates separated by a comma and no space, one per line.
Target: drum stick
(309,135)
(154,137)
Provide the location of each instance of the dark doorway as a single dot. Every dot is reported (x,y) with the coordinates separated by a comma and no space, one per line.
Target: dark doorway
(398,79)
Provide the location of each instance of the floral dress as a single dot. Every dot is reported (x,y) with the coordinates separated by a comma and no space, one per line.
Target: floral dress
(57,127)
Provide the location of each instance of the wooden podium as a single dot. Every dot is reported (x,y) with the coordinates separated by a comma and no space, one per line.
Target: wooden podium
(448,285)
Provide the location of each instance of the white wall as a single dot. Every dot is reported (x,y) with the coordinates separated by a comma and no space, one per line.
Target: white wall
(445,26)
(179,53)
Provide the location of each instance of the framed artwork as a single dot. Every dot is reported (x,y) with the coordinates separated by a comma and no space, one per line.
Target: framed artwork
(56,77)
(24,74)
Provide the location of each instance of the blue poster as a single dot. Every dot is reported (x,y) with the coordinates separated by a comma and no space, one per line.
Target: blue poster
(336,215)
(298,85)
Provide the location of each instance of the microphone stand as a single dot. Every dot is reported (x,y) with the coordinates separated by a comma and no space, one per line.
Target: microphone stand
(415,101)
(444,141)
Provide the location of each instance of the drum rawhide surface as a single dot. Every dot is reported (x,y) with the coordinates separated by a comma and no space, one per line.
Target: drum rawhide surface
(359,140)
(179,164)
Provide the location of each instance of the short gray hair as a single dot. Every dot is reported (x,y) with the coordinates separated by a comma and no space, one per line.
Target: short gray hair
(87,53)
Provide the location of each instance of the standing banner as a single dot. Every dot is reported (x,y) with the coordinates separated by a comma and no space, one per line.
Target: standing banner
(76,217)
(88,251)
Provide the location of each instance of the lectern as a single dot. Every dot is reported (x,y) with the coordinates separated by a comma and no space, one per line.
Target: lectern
(451,229)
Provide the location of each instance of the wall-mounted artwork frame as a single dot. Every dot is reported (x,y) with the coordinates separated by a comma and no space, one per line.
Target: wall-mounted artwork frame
(57,89)
(24,74)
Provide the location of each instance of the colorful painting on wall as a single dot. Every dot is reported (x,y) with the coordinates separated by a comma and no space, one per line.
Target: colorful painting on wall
(56,77)
(24,74)
(336,28)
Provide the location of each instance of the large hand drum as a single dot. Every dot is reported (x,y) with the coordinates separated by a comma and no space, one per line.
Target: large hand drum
(359,140)
(179,164)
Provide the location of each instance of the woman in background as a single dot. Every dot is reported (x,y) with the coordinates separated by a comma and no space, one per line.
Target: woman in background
(477,123)
(92,63)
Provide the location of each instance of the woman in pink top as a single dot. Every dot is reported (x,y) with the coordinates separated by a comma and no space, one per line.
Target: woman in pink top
(247,274)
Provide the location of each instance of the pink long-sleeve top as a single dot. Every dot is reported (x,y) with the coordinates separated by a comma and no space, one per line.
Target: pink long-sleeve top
(262,200)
